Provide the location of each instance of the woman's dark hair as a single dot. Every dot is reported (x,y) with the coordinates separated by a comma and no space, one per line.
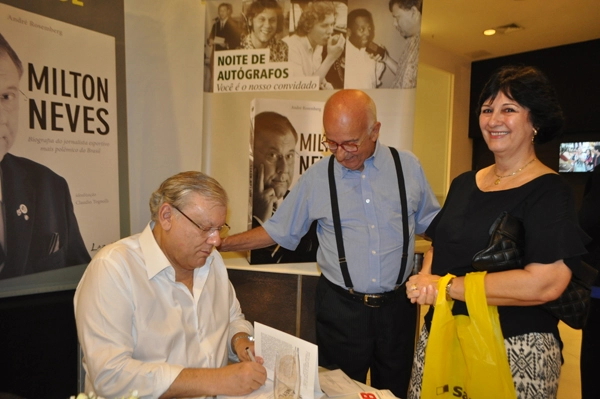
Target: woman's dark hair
(530,88)
(258,6)
(313,14)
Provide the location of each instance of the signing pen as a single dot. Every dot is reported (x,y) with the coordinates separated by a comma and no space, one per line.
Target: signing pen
(249,352)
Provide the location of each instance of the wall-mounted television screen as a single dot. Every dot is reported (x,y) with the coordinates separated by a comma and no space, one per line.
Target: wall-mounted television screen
(578,156)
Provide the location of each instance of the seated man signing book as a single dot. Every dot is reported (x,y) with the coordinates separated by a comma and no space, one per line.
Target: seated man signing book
(156,312)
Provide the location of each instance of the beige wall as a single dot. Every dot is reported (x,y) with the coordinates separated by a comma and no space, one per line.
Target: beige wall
(164,67)
(460,148)
(433,125)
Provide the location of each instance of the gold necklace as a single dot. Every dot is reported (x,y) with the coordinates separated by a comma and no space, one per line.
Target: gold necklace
(512,174)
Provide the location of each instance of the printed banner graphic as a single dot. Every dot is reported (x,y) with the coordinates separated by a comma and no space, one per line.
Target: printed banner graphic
(285,140)
(284,45)
(62,147)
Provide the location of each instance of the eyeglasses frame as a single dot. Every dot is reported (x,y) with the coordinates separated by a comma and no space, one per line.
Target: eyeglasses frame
(210,230)
(343,145)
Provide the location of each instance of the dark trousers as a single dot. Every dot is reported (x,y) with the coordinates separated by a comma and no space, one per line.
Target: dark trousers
(356,338)
(590,353)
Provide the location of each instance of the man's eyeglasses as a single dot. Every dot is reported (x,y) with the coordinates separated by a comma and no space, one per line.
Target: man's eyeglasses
(348,147)
(206,230)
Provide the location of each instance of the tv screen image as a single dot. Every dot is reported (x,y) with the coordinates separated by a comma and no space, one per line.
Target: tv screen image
(578,156)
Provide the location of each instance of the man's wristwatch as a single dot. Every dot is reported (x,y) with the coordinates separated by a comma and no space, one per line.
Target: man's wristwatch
(247,336)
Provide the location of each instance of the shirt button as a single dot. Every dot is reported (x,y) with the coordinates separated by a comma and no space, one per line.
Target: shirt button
(372,226)
(373,252)
(368,201)
(363,176)
(373,280)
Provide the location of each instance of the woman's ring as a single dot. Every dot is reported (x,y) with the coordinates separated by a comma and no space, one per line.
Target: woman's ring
(413,287)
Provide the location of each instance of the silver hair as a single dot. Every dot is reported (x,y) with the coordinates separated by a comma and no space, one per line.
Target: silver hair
(176,189)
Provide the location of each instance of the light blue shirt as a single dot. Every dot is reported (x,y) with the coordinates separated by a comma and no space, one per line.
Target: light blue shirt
(370,213)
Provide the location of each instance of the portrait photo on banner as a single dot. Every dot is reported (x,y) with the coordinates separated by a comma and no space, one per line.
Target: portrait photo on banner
(285,140)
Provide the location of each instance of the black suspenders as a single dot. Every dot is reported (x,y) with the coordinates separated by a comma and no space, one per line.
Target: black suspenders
(338,227)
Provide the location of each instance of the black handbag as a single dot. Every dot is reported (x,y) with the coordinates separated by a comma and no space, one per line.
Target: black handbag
(573,306)
(505,252)
(505,248)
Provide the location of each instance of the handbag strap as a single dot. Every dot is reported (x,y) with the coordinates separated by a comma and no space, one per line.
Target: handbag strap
(337,225)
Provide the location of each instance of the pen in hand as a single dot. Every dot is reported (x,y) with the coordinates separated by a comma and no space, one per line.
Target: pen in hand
(249,352)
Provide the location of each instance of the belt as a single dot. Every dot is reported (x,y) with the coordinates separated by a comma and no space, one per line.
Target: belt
(370,300)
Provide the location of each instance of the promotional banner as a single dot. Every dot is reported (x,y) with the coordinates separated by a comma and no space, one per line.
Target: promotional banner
(61,146)
(283,45)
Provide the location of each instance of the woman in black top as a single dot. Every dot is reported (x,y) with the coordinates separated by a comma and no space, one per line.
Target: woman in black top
(518,109)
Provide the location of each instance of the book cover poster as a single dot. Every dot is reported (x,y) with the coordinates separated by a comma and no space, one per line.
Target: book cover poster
(285,140)
(67,121)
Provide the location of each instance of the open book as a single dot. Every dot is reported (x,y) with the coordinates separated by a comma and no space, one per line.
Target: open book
(269,342)
(314,383)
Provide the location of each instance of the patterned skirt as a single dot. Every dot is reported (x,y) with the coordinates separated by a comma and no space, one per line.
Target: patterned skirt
(534,360)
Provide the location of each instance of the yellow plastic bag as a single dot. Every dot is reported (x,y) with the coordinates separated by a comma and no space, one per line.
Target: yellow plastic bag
(465,355)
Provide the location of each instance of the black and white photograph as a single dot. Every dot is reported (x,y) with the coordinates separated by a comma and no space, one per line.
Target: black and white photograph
(285,140)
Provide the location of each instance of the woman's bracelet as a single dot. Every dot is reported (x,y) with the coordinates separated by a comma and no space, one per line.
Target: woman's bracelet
(448,286)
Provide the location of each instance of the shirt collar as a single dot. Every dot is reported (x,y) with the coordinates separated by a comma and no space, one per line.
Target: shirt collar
(155,258)
(374,160)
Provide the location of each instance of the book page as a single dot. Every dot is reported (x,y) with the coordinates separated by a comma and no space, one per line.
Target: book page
(269,342)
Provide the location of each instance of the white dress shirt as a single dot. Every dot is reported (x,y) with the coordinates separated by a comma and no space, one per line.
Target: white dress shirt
(139,328)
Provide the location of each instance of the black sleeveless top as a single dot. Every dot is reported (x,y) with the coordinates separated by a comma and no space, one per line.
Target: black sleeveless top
(546,207)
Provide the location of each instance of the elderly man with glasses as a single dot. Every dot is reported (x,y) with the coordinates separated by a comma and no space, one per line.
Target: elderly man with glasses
(363,322)
(156,312)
